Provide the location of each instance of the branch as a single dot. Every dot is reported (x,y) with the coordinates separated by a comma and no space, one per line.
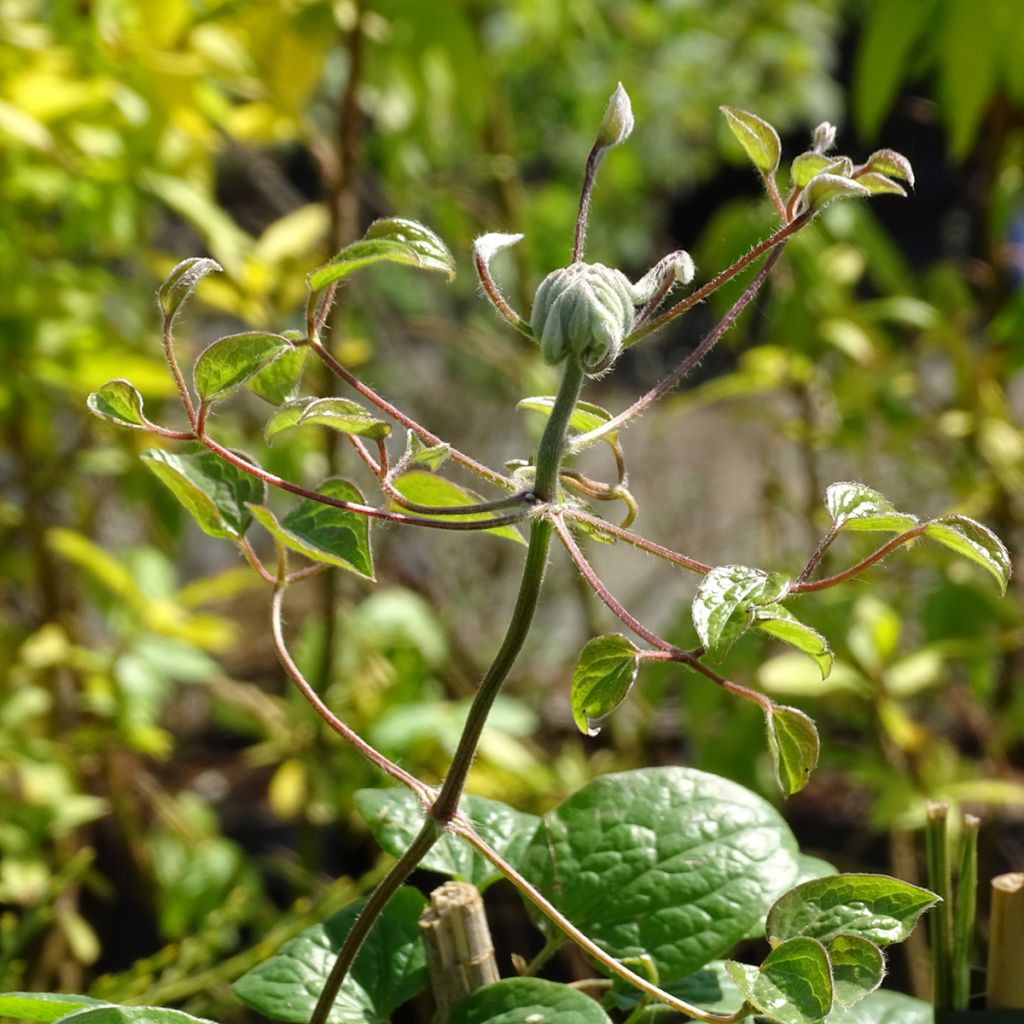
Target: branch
(803,587)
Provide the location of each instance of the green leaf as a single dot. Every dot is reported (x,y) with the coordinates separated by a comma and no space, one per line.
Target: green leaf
(604,675)
(388,971)
(876,907)
(419,454)
(711,988)
(118,402)
(885,1008)
(806,166)
(891,164)
(825,188)
(395,817)
(780,623)
(880,184)
(793,741)
(726,601)
(178,285)
(43,1006)
(858,967)
(326,533)
(391,240)
(228,363)
(854,506)
(423,488)
(528,1001)
(585,417)
(278,381)
(758,138)
(216,493)
(341,414)
(286,417)
(670,862)
(793,985)
(132,1015)
(971,539)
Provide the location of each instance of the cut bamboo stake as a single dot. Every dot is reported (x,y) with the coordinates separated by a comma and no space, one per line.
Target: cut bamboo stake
(1005,987)
(964,909)
(940,923)
(460,956)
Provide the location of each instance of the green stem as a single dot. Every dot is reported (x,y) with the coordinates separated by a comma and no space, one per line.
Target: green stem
(937,855)
(964,913)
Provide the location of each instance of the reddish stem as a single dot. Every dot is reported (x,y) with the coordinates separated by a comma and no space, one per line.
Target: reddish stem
(864,563)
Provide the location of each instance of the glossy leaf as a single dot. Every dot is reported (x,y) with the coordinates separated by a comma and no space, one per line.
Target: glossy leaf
(885,1007)
(858,967)
(793,985)
(604,675)
(585,417)
(854,506)
(180,282)
(671,862)
(825,188)
(388,971)
(793,741)
(875,907)
(215,493)
(395,817)
(326,533)
(726,601)
(758,138)
(118,402)
(780,623)
(425,488)
(390,240)
(228,363)
(528,1001)
(341,414)
(971,539)
(132,1015)
(418,454)
(43,1006)
(278,382)
(711,988)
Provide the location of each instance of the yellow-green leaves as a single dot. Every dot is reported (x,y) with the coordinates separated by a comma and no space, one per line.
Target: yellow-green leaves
(180,282)
(779,622)
(228,363)
(794,745)
(423,488)
(586,419)
(975,541)
(43,1006)
(854,506)
(760,141)
(604,675)
(119,402)
(341,414)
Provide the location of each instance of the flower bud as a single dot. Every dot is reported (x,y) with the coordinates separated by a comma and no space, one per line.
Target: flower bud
(583,311)
(823,138)
(617,124)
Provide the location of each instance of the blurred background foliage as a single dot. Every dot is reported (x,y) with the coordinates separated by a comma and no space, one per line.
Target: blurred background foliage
(155,770)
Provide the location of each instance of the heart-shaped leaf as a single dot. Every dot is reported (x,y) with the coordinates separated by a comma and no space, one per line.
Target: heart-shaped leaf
(971,539)
(528,1001)
(604,675)
(118,402)
(726,600)
(227,364)
(793,741)
(854,506)
(858,967)
(793,985)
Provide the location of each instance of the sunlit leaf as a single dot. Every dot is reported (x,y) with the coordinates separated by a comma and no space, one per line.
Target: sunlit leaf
(726,600)
(528,1001)
(277,382)
(419,454)
(975,541)
(854,506)
(880,184)
(180,282)
(228,363)
(43,1006)
(604,675)
(825,188)
(758,138)
(858,967)
(891,164)
(585,417)
(780,623)
(120,403)
(793,741)
(793,985)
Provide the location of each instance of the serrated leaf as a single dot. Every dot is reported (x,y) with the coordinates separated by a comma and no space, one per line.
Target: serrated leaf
(669,862)
(825,188)
(793,741)
(391,240)
(875,907)
(388,971)
(854,506)
(43,1006)
(585,417)
(780,623)
(725,603)
(215,493)
(975,541)
(278,382)
(227,364)
(880,184)
(395,817)
(793,985)
(423,488)
(528,1001)
(180,282)
(885,1007)
(891,164)
(858,967)
(418,454)
(758,138)
(326,533)
(118,402)
(603,676)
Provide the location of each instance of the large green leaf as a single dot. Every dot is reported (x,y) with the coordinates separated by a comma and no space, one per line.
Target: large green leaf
(858,967)
(43,1006)
(793,985)
(604,675)
(875,907)
(132,1015)
(180,281)
(794,745)
(326,533)
(670,862)
(971,539)
(854,506)
(528,1001)
(760,141)
(780,623)
(389,970)
(395,817)
(118,402)
(229,363)
(215,492)
(726,601)
(341,414)
(391,240)
(885,1008)
(711,988)
(423,488)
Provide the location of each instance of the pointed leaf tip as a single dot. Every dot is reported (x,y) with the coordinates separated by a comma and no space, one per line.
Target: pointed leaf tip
(793,741)
(975,541)
(604,675)
(760,141)
(180,282)
(118,402)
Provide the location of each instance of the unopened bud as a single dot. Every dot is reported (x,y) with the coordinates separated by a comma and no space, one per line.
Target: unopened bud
(617,124)
(823,138)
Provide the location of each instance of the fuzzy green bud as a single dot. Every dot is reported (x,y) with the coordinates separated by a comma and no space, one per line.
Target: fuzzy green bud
(583,311)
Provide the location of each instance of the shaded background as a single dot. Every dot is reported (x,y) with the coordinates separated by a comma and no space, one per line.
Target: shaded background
(154,767)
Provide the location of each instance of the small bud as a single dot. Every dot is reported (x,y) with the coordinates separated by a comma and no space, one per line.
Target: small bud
(676,266)
(583,311)
(617,125)
(823,138)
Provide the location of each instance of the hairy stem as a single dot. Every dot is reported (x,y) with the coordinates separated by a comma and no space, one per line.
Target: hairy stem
(172,363)
(888,548)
